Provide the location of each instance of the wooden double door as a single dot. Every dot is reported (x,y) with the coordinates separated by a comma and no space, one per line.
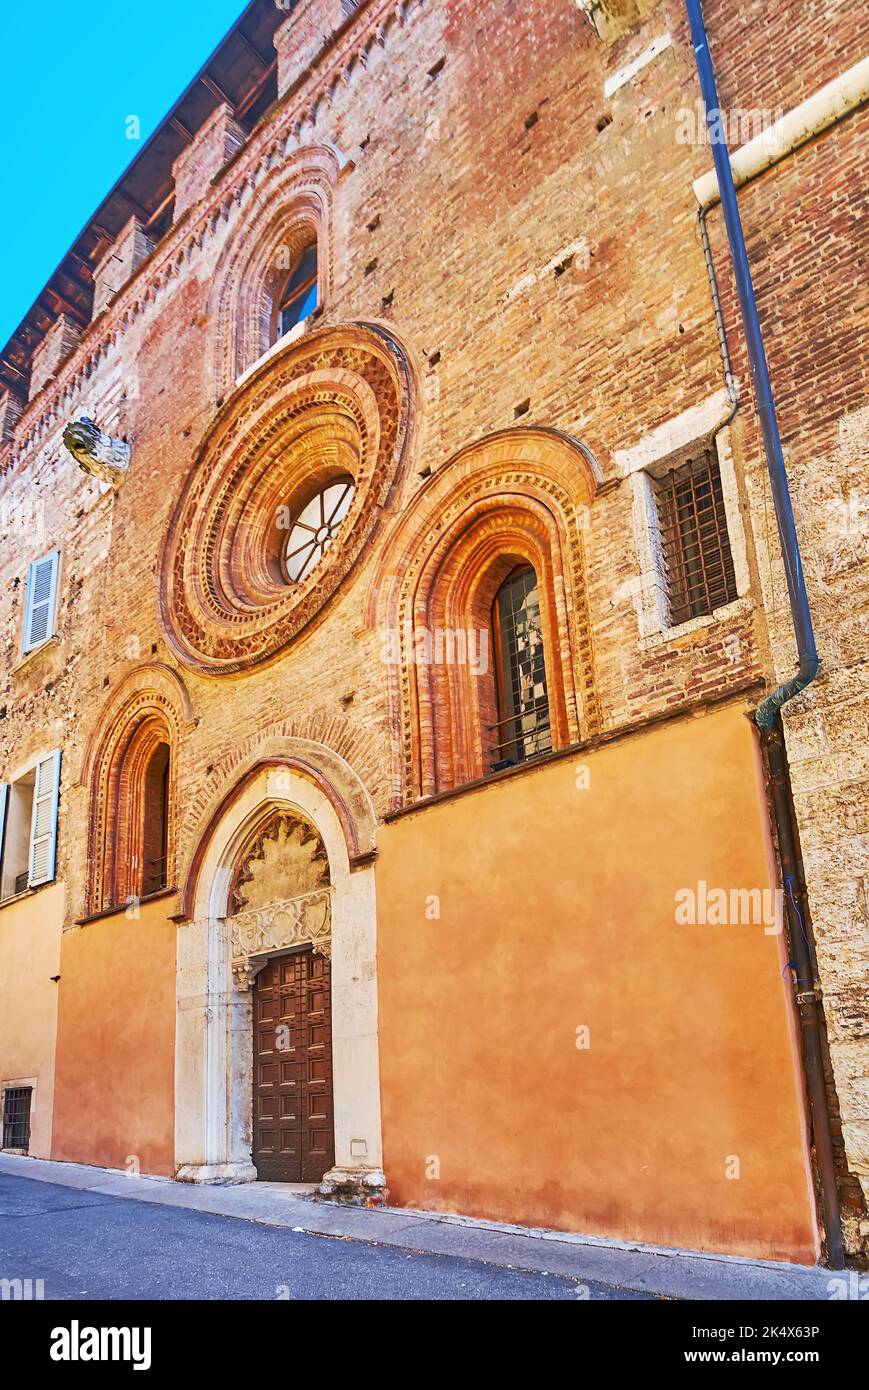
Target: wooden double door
(293,1122)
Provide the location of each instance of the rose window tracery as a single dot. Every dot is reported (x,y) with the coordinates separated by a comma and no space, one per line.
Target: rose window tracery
(314,527)
(287,492)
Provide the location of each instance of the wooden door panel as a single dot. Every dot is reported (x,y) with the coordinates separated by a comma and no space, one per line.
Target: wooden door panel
(293,1129)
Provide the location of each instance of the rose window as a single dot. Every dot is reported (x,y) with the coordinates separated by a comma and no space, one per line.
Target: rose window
(312,442)
(313,529)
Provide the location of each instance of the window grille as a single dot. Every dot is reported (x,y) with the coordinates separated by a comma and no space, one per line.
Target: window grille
(16,1117)
(698,564)
(523,728)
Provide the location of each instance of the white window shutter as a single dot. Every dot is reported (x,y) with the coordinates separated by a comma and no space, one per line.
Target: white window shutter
(40,601)
(43,827)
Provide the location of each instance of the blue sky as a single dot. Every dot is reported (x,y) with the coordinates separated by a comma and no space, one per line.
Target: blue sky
(70,75)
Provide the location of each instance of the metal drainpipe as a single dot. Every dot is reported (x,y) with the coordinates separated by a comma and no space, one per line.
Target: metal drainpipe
(807,993)
(790,549)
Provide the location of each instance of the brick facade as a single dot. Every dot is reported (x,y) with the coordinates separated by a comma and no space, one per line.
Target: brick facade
(531,247)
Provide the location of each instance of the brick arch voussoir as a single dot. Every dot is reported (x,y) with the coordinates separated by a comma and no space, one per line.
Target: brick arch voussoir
(530,488)
(150,705)
(296,197)
(318,764)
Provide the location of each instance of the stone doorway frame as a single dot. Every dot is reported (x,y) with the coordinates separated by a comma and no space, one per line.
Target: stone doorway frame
(214,1020)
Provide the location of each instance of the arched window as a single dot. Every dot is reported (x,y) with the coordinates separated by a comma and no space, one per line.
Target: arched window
(129,771)
(298,297)
(155,820)
(482,594)
(132,817)
(522,729)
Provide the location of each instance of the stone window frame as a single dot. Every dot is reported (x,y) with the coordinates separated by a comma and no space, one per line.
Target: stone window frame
(701,428)
(12,1084)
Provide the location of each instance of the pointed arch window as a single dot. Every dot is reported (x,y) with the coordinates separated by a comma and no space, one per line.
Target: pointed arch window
(299,296)
(132,835)
(523,728)
(155,821)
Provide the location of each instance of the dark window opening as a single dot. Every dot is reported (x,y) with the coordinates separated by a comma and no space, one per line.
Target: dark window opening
(155,839)
(16,1117)
(16,836)
(523,729)
(300,295)
(698,564)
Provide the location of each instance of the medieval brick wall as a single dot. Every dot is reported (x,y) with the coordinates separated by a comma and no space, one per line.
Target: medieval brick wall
(534,244)
(806,236)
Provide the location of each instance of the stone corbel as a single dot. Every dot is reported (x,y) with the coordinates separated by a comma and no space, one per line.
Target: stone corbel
(245,972)
(100,455)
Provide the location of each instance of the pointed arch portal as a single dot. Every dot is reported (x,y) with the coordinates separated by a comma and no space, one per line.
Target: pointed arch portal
(282,917)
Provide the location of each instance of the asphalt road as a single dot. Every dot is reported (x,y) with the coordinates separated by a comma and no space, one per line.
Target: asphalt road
(86,1246)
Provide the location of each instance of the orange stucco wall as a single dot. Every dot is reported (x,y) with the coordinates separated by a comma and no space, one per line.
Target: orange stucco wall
(557,912)
(115,1080)
(30,930)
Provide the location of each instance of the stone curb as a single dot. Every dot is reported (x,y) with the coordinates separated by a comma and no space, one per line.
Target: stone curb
(677,1274)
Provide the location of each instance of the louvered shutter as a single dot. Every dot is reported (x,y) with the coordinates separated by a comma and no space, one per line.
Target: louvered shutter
(41,597)
(43,827)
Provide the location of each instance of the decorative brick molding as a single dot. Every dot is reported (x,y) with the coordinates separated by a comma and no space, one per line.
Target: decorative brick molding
(293,203)
(10,413)
(308,29)
(291,758)
(151,706)
(340,400)
(512,498)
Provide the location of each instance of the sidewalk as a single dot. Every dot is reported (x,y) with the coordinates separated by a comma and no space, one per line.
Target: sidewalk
(643,1268)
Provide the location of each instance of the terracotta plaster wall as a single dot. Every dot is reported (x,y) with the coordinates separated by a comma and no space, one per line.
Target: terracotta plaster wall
(30,931)
(557,912)
(115,1084)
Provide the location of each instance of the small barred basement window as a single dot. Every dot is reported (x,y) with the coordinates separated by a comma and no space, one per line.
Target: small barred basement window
(695,547)
(523,727)
(16,1117)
